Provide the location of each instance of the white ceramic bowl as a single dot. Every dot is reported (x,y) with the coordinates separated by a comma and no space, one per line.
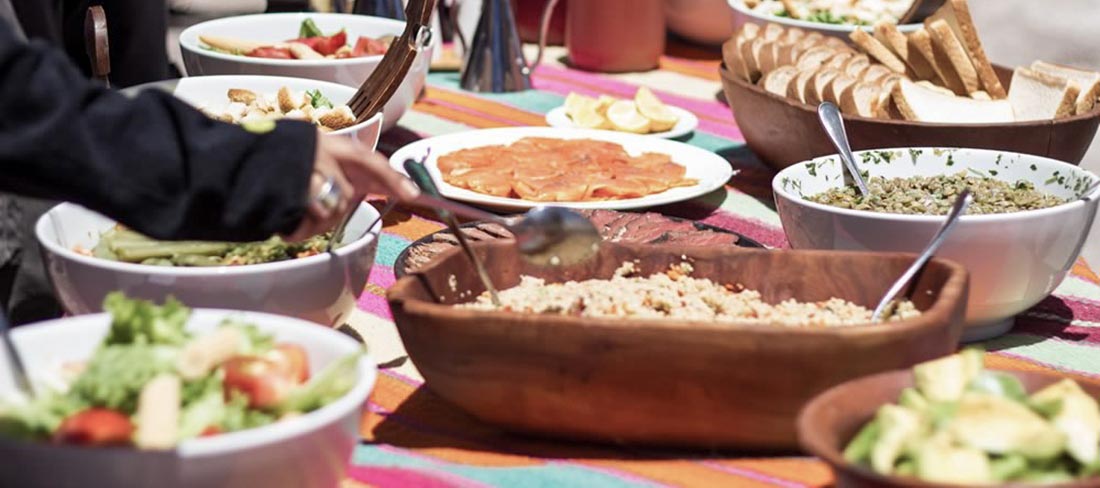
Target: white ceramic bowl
(311,450)
(210,91)
(281,27)
(743,15)
(321,288)
(1015,260)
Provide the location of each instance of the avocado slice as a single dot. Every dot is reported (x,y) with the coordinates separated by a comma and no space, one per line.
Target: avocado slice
(945,379)
(859,449)
(897,427)
(1000,384)
(939,461)
(912,399)
(997,425)
(1078,418)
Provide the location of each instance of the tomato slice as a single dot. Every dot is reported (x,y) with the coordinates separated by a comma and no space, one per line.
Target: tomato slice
(95,427)
(260,379)
(366,46)
(325,45)
(292,361)
(271,52)
(210,431)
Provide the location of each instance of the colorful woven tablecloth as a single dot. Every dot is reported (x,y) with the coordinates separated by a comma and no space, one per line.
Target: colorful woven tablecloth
(412,438)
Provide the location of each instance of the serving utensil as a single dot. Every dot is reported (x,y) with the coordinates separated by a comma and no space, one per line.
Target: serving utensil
(545,235)
(96,44)
(383,82)
(19,373)
(829,115)
(338,232)
(962,201)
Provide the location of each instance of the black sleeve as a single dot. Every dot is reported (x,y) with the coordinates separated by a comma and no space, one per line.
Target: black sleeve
(152,162)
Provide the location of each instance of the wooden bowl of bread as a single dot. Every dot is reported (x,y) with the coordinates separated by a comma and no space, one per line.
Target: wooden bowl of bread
(617,378)
(930,87)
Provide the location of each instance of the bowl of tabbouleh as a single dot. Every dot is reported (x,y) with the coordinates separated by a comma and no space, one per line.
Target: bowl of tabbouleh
(1019,238)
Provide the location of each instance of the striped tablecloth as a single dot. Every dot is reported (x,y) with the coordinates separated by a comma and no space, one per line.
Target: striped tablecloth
(413,438)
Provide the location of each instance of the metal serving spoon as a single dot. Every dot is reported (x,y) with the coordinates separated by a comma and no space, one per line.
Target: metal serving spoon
(962,201)
(546,236)
(829,115)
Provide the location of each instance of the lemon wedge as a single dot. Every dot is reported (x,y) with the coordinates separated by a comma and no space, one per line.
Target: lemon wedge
(624,116)
(587,118)
(660,117)
(603,103)
(576,103)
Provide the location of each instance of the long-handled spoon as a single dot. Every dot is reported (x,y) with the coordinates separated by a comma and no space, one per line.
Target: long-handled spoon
(962,201)
(829,115)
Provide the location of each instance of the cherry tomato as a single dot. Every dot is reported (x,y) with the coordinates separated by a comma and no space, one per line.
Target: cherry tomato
(95,427)
(261,380)
(271,52)
(325,45)
(209,431)
(366,46)
(292,361)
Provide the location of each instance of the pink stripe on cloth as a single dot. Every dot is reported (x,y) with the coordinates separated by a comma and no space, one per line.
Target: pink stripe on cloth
(1043,326)
(503,121)
(714,118)
(394,477)
(752,475)
(382,275)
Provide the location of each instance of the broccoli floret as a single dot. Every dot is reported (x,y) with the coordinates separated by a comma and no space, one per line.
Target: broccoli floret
(37,418)
(141,322)
(116,374)
(255,342)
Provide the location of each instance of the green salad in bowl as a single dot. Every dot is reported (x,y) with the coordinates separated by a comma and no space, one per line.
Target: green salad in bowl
(152,384)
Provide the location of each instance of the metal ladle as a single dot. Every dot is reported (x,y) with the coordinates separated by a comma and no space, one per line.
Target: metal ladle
(829,115)
(962,201)
(545,236)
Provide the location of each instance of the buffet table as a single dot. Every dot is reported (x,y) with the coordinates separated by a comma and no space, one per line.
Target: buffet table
(413,438)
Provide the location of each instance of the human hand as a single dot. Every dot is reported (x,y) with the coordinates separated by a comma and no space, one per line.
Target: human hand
(356,172)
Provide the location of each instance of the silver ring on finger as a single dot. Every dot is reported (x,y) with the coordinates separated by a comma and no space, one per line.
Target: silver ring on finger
(329,195)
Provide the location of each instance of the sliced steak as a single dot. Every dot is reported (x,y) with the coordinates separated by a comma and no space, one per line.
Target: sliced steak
(475,234)
(651,229)
(447,237)
(424,253)
(495,230)
(601,218)
(615,230)
(701,238)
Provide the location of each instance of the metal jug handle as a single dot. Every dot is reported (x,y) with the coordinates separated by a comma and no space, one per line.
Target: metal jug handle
(544,29)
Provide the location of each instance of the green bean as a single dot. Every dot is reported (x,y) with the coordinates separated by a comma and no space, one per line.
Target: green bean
(197,260)
(140,251)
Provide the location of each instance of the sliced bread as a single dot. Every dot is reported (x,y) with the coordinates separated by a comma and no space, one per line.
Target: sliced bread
(778,80)
(918,67)
(815,92)
(956,13)
(750,52)
(934,87)
(952,57)
(838,59)
(855,65)
(813,58)
(800,85)
(920,46)
(1039,96)
(877,50)
(772,32)
(769,56)
(921,104)
(836,88)
(875,72)
(1087,81)
(861,99)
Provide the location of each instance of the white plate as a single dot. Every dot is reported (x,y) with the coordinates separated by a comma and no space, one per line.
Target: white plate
(710,169)
(688,122)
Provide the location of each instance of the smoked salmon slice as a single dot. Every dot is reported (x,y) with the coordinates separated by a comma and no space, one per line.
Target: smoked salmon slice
(546,169)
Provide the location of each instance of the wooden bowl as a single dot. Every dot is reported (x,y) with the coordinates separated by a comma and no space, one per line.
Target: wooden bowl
(673,383)
(831,420)
(783,132)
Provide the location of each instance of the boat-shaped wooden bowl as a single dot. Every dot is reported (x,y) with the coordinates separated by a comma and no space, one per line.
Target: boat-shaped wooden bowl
(832,419)
(671,383)
(782,131)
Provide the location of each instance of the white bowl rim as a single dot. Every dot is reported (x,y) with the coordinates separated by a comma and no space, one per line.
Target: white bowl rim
(195,31)
(325,86)
(55,248)
(1070,206)
(269,434)
(739,6)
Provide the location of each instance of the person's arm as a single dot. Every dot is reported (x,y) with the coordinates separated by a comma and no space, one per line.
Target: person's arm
(153,162)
